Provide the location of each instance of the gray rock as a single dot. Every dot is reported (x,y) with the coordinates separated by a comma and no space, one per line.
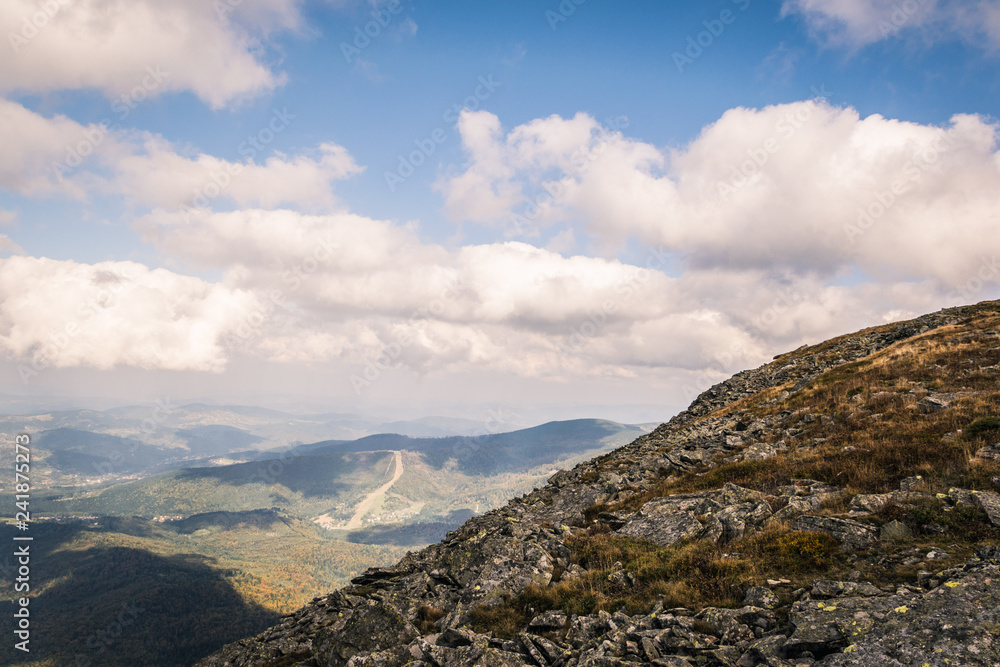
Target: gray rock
(895,531)
(738,519)
(374,627)
(870,502)
(690,458)
(767,651)
(962,497)
(665,521)
(851,534)
(798,505)
(989,452)
(988,552)
(934,403)
(911,484)
(456,638)
(823,626)
(549,621)
(990,503)
(758,596)
(823,589)
(808,487)
(732,494)
(762,450)
(672,661)
(957,623)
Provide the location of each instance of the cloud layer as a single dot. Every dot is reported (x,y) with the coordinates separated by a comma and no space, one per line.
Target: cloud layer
(62,314)
(48,156)
(774,227)
(857,23)
(213,49)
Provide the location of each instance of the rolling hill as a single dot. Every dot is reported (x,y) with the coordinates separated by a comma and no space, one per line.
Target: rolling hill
(441,476)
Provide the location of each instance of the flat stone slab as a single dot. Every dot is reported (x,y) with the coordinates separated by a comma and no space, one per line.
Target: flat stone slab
(663,524)
(990,452)
(956,623)
(851,534)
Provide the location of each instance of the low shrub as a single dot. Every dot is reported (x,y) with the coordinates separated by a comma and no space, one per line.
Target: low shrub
(984,426)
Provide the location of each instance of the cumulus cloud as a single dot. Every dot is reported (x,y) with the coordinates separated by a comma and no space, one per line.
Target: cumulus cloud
(363,294)
(159,176)
(807,187)
(64,314)
(46,156)
(357,285)
(344,288)
(33,144)
(857,23)
(213,49)
(346,264)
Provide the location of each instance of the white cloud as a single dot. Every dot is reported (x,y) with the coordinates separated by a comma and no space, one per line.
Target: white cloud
(857,23)
(159,176)
(63,314)
(46,156)
(213,49)
(355,285)
(345,292)
(408,27)
(344,265)
(501,168)
(8,246)
(807,187)
(33,144)
(352,290)
(369,70)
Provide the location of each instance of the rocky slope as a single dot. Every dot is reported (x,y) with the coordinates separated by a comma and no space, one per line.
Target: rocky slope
(837,506)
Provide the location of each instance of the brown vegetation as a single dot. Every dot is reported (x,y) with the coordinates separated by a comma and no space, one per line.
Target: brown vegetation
(867,433)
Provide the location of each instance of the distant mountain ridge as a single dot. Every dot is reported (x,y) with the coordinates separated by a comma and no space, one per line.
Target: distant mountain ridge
(131,441)
(331,476)
(493,453)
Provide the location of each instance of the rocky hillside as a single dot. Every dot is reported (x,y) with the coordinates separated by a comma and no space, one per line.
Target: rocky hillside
(835,507)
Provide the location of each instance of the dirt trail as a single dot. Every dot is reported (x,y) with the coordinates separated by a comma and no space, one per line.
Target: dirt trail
(365,505)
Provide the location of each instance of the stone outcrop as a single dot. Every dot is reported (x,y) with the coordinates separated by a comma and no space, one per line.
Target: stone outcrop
(721,516)
(851,534)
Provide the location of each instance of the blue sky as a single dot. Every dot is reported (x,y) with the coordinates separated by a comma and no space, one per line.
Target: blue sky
(642,133)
